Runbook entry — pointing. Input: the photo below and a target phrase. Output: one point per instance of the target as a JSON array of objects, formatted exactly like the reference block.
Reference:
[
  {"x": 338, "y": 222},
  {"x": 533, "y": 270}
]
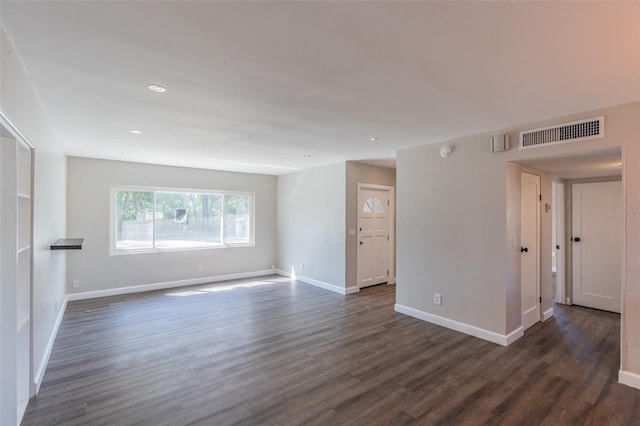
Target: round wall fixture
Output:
[{"x": 445, "y": 151}]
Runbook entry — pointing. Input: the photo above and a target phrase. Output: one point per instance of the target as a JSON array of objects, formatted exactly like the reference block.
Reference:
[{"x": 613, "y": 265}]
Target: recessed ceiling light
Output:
[
  {"x": 373, "y": 139},
  {"x": 124, "y": 152},
  {"x": 306, "y": 156},
  {"x": 157, "y": 88},
  {"x": 135, "y": 131}
]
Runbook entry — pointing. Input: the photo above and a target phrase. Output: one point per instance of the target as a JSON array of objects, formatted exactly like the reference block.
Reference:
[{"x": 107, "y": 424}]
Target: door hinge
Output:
[
  {"x": 388, "y": 202},
  {"x": 540, "y": 197},
  {"x": 387, "y": 238},
  {"x": 540, "y": 299},
  {"x": 387, "y": 272}
]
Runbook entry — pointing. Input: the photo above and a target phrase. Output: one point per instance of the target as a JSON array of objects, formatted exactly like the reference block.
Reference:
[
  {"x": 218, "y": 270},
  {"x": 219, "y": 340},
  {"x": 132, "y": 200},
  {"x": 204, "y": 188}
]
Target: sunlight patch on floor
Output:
[{"x": 214, "y": 288}]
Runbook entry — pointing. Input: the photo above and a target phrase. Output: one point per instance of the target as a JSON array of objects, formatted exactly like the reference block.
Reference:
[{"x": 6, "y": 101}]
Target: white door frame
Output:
[
  {"x": 391, "y": 220},
  {"x": 559, "y": 218}
]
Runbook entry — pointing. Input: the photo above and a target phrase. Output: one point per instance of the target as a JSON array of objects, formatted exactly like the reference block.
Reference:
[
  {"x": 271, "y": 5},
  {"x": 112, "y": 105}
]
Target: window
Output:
[
  {"x": 373, "y": 204},
  {"x": 159, "y": 219}
]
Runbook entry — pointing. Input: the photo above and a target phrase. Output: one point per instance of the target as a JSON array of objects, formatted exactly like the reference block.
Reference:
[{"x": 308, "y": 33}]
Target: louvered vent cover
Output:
[{"x": 568, "y": 132}]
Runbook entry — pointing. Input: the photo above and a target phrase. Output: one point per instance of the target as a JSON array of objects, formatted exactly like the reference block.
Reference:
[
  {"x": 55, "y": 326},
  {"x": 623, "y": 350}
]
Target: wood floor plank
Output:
[{"x": 274, "y": 352}]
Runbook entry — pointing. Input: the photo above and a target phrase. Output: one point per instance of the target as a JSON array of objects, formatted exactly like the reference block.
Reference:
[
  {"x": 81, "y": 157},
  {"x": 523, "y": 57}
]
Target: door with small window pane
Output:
[{"x": 373, "y": 237}]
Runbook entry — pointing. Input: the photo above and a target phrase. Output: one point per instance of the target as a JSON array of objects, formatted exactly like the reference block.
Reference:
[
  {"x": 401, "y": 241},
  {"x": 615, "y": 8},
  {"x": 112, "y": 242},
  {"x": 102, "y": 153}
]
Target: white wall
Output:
[
  {"x": 455, "y": 216},
  {"x": 361, "y": 173},
  {"x": 451, "y": 232},
  {"x": 311, "y": 225},
  {"x": 21, "y": 105},
  {"x": 89, "y": 184},
  {"x": 49, "y": 267}
]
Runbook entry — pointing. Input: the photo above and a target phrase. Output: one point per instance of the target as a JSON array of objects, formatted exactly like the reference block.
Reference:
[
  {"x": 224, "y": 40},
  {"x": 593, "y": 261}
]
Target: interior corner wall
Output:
[
  {"x": 361, "y": 173},
  {"x": 89, "y": 185},
  {"x": 311, "y": 225},
  {"x": 630, "y": 351},
  {"x": 21, "y": 105}
]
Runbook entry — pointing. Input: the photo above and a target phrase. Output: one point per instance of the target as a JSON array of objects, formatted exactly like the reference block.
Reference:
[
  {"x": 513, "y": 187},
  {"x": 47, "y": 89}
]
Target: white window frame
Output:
[{"x": 114, "y": 251}]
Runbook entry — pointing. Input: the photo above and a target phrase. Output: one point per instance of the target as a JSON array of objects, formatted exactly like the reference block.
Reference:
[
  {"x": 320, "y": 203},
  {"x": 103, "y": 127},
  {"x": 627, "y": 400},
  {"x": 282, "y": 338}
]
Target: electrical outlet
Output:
[
  {"x": 437, "y": 299},
  {"x": 199, "y": 267},
  {"x": 57, "y": 306},
  {"x": 302, "y": 266},
  {"x": 76, "y": 283}
]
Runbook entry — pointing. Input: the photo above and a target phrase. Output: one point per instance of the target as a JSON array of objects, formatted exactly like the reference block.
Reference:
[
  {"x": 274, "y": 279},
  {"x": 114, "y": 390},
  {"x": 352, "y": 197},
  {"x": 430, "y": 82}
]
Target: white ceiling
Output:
[
  {"x": 597, "y": 163},
  {"x": 256, "y": 86}
]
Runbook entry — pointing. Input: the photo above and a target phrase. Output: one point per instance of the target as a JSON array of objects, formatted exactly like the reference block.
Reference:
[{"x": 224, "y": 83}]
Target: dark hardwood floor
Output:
[{"x": 288, "y": 353}]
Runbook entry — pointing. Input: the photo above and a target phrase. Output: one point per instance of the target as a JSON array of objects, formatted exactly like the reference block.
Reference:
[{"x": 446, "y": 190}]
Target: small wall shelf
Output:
[{"x": 68, "y": 244}]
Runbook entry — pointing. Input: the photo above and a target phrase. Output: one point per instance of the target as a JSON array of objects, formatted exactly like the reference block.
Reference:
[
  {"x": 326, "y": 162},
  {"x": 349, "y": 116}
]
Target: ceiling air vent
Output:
[{"x": 591, "y": 128}]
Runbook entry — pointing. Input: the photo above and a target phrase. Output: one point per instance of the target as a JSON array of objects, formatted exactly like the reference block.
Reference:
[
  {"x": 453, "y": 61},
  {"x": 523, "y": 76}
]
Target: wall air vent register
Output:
[{"x": 574, "y": 131}]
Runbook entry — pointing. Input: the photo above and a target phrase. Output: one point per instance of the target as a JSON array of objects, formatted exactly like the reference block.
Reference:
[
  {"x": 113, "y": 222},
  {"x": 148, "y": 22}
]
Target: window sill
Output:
[{"x": 120, "y": 252}]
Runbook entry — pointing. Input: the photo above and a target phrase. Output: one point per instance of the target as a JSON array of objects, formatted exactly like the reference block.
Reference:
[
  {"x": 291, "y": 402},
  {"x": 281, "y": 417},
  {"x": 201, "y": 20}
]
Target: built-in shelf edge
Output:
[{"x": 68, "y": 244}]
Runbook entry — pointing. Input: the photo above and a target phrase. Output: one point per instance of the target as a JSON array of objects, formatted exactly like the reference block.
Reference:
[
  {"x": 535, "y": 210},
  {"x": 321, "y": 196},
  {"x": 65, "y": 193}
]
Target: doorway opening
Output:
[
  {"x": 581, "y": 194},
  {"x": 375, "y": 224}
]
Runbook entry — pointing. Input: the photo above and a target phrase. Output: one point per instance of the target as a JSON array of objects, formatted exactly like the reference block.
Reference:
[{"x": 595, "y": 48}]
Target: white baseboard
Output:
[
  {"x": 39, "y": 375},
  {"x": 168, "y": 284},
  {"x": 500, "y": 339},
  {"x": 547, "y": 314},
  {"x": 317, "y": 283},
  {"x": 628, "y": 378},
  {"x": 513, "y": 336}
]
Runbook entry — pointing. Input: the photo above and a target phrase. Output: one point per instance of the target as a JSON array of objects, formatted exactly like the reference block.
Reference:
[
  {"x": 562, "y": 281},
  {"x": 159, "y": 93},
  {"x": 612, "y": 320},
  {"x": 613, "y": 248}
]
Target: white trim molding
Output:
[
  {"x": 4, "y": 121},
  {"x": 513, "y": 336},
  {"x": 168, "y": 284},
  {"x": 317, "y": 283},
  {"x": 547, "y": 314},
  {"x": 500, "y": 339},
  {"x": 39, "y": 374},
  {"x": 628, "y": 378}
]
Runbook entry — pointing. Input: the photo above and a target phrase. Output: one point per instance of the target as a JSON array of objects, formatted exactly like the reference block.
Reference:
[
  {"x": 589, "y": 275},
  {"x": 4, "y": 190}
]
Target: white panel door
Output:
[
  {"x": 373, "y": 237},
  {"x": 530, "y": 249},
  {"x": 597, "y": 244}
]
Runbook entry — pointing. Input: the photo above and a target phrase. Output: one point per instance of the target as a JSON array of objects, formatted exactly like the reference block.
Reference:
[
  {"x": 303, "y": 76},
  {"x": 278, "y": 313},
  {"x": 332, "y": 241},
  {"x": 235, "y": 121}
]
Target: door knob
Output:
[
  {"x": 576, "y": 239},
  {"x": 524, "y": 250},
  {"x": 361, "y": 243},
  {"x": 557, "y": 247}
]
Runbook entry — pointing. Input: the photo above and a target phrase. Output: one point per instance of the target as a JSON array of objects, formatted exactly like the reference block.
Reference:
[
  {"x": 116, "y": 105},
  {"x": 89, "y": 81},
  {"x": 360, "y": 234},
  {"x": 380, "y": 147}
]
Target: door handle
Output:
[
  {"x": 524, "y": 250},
  {"x": 361, "y": 243},
  {"x": 576, "y": 239}
]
